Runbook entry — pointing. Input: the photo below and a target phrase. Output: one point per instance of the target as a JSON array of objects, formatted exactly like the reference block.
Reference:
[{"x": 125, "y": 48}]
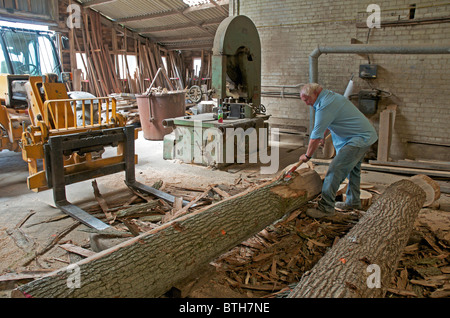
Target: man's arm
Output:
[
  {"x": 320, "y": 131},
  {"x": 325, "y": 135},
  {"x": 312, "y": 147}
]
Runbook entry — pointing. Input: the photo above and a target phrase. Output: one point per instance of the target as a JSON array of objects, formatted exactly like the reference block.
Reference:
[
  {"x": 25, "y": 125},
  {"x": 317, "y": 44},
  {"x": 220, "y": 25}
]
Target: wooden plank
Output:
[
  {"x": 101, "y": 201},
  {"x": 111, "y": 71},
  {"x": 409, "y": 171},
  {"x": 412, "y": 164},
  {"x": 185, "y": 209},
  {"x": 386, "y": 126},
  {"x": 16, "y": 277},
  {"x": 77, "y": 250},
  {"x": 76, "y": 82},
  {"x": 73, "y": 60},
  {"x": 429, "y": 164},
  {"x": 88, "y": 73},
  {"x": 389, "y": 169},
  {"x": 167, "y": 78},
  {"x": 90, "y": 67},
  {"x": 152, "y": 59}
]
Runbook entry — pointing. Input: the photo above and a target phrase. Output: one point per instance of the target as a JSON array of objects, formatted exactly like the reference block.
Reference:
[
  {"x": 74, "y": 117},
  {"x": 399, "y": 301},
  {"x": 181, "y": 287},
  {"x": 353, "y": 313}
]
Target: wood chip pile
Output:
[
  {"x": 424, "y": 269},
  {"x": 272, "y": 261}
]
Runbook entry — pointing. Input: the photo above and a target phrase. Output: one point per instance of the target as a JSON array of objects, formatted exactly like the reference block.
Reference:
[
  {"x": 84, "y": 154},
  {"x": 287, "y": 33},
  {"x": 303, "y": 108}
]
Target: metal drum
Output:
[{"x": 154, "y": 108}]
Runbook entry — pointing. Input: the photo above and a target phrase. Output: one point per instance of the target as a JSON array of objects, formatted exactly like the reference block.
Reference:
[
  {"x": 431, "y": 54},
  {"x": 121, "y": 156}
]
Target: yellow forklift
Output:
[{"x": 61, "y": 138}]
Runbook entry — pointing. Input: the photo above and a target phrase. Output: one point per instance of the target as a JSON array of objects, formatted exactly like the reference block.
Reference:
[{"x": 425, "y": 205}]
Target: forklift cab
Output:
[{"x": 28, "y": 52}]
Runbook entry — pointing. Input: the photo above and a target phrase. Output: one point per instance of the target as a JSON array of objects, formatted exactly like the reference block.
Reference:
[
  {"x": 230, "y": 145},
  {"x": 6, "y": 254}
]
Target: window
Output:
[
  {"x": 47, "y": 61},
  {"x": 412, "y": 11},
  {"x": 131, "y": 63},
  {"x": 164, "y": 59},
  {"x": 80, "y": 65},
  {"x": 197, "y": 66},
  {"x": 3, "y": 63}
]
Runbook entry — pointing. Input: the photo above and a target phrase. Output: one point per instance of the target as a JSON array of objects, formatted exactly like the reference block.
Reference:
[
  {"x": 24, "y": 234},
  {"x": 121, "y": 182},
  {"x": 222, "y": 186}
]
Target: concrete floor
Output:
[{"x": 16, "y": 201}]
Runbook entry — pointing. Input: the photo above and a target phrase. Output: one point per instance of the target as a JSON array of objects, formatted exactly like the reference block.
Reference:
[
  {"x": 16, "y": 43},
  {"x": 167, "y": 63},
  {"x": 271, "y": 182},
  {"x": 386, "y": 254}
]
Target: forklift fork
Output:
[{"x": 61, "y": 145}]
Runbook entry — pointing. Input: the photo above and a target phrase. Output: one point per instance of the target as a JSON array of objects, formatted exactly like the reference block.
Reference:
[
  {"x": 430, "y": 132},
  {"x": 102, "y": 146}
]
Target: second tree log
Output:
[{"x": 362, "y": 263}]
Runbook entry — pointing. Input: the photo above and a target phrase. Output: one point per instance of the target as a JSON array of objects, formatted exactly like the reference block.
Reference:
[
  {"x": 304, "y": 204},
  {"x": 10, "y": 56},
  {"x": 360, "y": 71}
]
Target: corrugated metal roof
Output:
[
  {"x": 157, "y": 22},
  {"x": 120, "y": 9},
  {"x": 166, "y": 21},
  {"x": 166, "y": 35}
]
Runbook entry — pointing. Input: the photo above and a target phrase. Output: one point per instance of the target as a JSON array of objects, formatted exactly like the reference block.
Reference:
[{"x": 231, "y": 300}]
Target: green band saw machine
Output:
[{"x": 236, "y": 86}]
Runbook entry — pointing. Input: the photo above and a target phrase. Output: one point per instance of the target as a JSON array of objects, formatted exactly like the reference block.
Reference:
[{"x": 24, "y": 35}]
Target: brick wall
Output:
[{"x": 418, "y": 84}]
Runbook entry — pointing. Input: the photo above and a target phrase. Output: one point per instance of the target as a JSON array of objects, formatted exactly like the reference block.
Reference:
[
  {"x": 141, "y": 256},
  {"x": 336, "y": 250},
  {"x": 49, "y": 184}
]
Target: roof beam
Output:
[
  {"x": 180, "y": 26},
  {"x": 225, "y": 12},
  {"x": 95, "y": 3},
  {"x": 165, "y": 28},
  {"x": 190, "y": 47},
  {"x": 184, "y": 39},
  {"x": 196, "y": 24},
  {"x": 148, "y": 16}
]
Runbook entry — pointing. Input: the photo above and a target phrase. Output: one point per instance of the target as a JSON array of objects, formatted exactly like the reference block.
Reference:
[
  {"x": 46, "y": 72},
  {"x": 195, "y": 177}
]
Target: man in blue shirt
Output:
[{"x": 352, "y": 135}]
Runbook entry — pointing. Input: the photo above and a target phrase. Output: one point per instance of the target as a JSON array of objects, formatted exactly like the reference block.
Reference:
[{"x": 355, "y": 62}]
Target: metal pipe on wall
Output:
[{"x": 364, "y": 49}]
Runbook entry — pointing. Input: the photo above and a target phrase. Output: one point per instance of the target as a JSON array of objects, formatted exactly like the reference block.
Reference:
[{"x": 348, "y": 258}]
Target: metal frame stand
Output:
[{"x": 58, "y": 146}]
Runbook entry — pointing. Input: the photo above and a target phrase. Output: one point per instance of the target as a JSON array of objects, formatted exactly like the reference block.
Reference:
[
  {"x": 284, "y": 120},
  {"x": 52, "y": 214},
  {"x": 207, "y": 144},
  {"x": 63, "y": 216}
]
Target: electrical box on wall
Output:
[
  {"x": 368, "y": 71},
  {"x": 368, "y": 101}
]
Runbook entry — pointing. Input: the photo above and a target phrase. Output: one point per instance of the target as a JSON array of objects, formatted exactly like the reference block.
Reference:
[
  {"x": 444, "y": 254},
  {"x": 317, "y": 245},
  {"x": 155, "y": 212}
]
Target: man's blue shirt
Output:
[{"x": 346, "y": 123}]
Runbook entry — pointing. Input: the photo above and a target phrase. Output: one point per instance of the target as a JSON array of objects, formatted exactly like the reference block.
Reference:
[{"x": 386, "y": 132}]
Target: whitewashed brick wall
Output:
[{"x": 420, "y": 84}]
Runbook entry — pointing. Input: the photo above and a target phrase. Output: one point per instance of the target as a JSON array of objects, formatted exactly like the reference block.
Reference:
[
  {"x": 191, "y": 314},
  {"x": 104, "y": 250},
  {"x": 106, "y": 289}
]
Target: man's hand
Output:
[{"x": 304, "y": 158}]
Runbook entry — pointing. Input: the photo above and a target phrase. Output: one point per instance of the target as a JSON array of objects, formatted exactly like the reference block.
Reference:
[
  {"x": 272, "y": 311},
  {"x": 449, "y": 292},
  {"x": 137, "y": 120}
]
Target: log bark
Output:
[
  {"x": 362, "y": 263},
  {"x": 150, "y": 264}
]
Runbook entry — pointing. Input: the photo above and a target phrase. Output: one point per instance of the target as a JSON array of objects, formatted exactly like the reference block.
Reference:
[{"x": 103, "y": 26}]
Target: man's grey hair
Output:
[{"x": 310, "y": 89}]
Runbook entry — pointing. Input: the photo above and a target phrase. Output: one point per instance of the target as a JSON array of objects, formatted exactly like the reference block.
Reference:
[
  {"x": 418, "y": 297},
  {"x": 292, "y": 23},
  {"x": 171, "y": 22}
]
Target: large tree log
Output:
[
  {"x": 150, "y": 264},
  {"x": 362, "y": 263}
]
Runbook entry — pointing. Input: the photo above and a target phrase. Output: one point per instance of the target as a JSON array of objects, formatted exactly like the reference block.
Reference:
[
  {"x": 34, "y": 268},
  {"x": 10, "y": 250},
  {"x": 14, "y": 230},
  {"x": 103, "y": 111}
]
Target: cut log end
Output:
[
  {"x": 429, "y": 186},
  {"x": 365, "y": 197},
  {"x": 304, "y": 182}
]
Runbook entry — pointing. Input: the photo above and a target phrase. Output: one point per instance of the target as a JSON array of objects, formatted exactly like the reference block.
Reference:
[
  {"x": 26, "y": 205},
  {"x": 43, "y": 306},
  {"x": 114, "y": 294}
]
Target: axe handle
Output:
[{"x": 295, "y": 167}]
